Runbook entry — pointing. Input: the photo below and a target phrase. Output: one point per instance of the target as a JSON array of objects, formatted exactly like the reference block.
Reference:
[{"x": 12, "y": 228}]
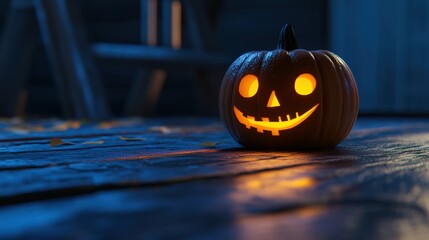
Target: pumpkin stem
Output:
[{"x": 287, "y": 39}]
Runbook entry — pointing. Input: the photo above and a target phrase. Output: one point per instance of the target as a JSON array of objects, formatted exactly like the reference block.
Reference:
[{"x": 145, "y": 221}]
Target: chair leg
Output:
[
  {"x": 80, "y": 87},
  {"x": 145, "y": 92},
  {"x": 16, "y": 52}
]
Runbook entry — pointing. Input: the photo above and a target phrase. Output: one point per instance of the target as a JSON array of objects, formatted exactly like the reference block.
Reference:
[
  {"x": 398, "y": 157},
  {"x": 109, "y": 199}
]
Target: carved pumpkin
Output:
[{"x": 289, "y": 98}]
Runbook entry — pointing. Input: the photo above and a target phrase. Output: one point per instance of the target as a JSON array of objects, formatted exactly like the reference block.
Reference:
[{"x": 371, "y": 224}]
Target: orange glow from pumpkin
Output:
[
  {"x": 287, "y": 183},
  {"x": 248, "y": 86},
  {"x": 305, "y": 84},
  {"x": 273, "y": 126}
]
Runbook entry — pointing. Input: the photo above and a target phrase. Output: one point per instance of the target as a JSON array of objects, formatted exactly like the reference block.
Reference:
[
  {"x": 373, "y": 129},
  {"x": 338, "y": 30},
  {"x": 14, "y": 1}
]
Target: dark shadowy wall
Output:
[
  {"x": 248, "y": 25},
  {"x": 386, "y": 43}
]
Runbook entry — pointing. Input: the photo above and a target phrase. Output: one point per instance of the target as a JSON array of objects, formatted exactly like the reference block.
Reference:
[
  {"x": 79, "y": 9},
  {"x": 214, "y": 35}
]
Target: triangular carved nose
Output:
[{"x": 273, "y": 101}]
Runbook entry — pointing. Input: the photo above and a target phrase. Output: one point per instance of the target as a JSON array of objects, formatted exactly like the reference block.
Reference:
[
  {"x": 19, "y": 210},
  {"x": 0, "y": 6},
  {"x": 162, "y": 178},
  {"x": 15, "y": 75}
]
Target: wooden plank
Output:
[
  {"x": 179, "y": 151},
  {"x": 187, "y": 211},
  {"x": 17, "y": 130},
  {"x": 78, "y": 82},
  {"x": 375, "y": 185}
]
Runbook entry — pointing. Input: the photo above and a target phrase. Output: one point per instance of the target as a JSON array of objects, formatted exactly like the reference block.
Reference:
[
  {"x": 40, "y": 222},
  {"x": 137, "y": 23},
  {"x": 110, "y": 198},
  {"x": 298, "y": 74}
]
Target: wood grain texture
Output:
[{"x": 171, "y": 185}]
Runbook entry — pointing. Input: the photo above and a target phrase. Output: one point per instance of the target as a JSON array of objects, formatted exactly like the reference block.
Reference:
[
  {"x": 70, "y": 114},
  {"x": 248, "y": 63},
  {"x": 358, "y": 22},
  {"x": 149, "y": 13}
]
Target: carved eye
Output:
[
  {"x": 248, "y": 86},
  {"x": 305, "y": 84}
]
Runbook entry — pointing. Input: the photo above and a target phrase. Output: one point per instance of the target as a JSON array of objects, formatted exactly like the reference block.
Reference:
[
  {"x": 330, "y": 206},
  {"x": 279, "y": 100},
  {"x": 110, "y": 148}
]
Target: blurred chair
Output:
[
  {"x": 161, "y": 51},
  {"x": 71, "y": 56},
  {"x": 79, "y": 85}
]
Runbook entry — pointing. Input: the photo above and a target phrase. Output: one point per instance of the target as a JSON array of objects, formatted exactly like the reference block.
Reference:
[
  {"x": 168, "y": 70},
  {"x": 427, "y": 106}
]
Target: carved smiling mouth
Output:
[{"x": 272, "y": 126}]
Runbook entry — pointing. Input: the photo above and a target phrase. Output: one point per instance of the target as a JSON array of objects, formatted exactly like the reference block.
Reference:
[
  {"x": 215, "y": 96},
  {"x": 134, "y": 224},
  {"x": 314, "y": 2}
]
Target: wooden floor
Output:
[{"x": 188, "y": 179}]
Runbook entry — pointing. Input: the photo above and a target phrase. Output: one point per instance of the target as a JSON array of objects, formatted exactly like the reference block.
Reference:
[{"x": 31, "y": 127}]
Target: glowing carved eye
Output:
[
  {"x": 305, "y": 84},
  {"x": 248, "y": 86}
]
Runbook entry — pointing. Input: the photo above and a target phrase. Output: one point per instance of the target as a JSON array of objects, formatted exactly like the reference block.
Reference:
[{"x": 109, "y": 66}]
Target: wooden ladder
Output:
[
  {"x": 79, "y": 85},
  {"x": 160, "y": 50},
  {"x": 72, "y": 57}
]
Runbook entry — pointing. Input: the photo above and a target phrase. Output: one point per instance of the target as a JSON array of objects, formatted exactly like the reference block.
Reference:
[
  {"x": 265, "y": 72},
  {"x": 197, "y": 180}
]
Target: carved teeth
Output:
[
  {"x": 264, "y": 119},
  {"x": 264, "y": 124}
]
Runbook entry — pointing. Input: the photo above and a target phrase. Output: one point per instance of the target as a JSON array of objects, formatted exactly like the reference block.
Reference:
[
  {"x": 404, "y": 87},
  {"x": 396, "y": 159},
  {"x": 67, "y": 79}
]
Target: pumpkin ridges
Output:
[
  {"x": 328, "y": 115},
  {"x": 315, "y": 128},
  {"x": 352, "y": 97},
  {"x": 343, "y": 117},
  {"x": 354, "y": 93},
  {"x": 344, "y": 121},
  {"x": 352, "y": 83},
  {"x": 352, "y": 90},
  {"x": 331, "y": 115}
]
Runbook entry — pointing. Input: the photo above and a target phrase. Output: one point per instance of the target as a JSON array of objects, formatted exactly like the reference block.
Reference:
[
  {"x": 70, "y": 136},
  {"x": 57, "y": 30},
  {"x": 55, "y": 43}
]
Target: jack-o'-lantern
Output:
[{"x": 289, "y": 98}]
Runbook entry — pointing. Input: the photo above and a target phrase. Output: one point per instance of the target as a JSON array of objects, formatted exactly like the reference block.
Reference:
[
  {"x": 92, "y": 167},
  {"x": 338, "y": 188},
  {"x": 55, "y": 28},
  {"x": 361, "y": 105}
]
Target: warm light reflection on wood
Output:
[
  {"x": 287, "y": 183},
  {"x": 310, "y": 212},
  {"x": 304, "y": 182},
  {"x": 256, "y": 184}
]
